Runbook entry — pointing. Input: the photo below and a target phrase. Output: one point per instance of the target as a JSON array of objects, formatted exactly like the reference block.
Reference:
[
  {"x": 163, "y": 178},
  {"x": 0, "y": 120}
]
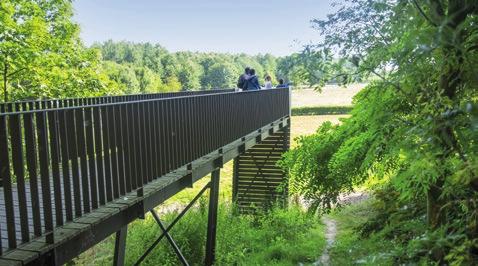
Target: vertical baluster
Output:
[
  {"x": 187, "y": 121},
  {"x": 113, "y": 147},
  {"x": 90, "y": 150},
  {"x": 55, "y": 160},
  {"x": 154, "y": 138},
  {"x": 198, "y": 126},
  {"x": 162, "y": 146},
  {"x": 181, "y": 130},
  {"x": 80, "y": 139},
  {"x": 138, "y": 141},
  {"x": 106, "y": 152},
  {"x": 143, "y": 143},
  {"x": 124, "y": 108},
  {"x": 168, "y": 133},
  {"x": 31, "y": 156},
  {"x": 190, "y": 128},
  {"x": 99, "y": 154},
  {"x": 132, "y": 137},
  {"x": 119, "y": 121},
  {"x": 177, "y": 133},
  {"x": 45, "y": 175},
  {"x": 65, "y": 165},
  {"x": 18, "y": 168},
  {"x": 73, "y": 149},
  {"x": 149, "y": 152},
  {"x": 6, "y": 178}
]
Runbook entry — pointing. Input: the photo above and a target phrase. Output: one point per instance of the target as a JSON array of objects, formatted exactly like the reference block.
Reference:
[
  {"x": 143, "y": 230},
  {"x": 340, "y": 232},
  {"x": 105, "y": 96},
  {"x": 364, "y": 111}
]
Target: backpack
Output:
[{"x": 241, "y": 83}]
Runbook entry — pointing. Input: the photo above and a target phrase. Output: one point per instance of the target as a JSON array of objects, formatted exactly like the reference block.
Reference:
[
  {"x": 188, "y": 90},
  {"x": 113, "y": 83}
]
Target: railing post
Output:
[
  {"x": 235, "y": 176},
  {"x": 212, "y": 218},
  {"x": 120, "y": 246}
]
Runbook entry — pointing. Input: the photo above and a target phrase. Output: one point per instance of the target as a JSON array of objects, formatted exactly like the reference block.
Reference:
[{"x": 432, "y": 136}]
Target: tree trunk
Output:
[
  {"x": 448, "y": 84},
  {"x": 5, "y": 81}
]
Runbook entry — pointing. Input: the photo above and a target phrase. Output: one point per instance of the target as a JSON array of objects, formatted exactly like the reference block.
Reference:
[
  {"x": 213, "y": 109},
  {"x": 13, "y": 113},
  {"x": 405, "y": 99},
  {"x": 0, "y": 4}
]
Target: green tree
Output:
[
  {"x": 149, "y": 82},
  {"x": 41, "y": 54},
  {"x": 124, "y": 76},
  {"x": 190, "y": 71},
  {"x": 221, "y": 75},
  {"x": 414, "y": 126}
]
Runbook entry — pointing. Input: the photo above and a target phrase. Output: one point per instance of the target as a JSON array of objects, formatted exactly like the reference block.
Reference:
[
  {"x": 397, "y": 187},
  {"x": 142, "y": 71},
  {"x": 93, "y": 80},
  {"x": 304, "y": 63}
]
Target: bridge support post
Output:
[
  {"x": 258, "y": 183},
  {"x": 212, "y": 218},
  {"x": 120, "y": 246}
]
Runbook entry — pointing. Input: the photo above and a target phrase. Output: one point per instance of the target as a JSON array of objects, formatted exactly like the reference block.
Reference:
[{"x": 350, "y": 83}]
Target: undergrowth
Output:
[{"x": 279, "y": 237}]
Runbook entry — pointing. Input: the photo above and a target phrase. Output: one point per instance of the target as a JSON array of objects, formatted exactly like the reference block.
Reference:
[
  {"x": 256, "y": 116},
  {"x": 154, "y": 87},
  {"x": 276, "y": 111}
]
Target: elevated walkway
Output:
[{"x": 74, "y": 174}]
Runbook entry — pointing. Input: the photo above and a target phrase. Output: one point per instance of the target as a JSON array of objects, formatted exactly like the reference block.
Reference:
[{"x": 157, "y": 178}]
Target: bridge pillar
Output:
[
  {"x": 120, "y": 246},
  {"x": 212, "y": 218},
  {"x": 257, "y": 182}
]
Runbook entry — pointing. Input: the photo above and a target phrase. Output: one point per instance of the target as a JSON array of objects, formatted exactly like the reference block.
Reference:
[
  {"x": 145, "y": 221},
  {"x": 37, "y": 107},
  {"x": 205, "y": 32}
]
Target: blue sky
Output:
[{"x": 279, "y": 27}]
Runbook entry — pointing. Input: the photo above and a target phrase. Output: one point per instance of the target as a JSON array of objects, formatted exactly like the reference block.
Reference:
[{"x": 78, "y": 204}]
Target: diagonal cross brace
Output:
[
  {"x": 172, "y": 224},
  {"x": 170, "y": 239}
]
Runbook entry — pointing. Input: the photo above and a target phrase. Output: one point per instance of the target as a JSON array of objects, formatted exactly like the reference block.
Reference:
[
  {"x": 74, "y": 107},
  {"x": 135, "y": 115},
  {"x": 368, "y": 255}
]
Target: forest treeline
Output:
[
  {"x": 42, "y": 56},
  {"x": 150, "y": 67}
]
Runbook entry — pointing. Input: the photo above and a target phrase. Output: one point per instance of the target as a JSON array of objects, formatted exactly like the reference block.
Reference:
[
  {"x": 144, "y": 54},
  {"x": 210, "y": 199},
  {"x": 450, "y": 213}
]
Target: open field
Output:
[
  {"x": 331, "y": 95},
  {"x": 308, "y": 124}
]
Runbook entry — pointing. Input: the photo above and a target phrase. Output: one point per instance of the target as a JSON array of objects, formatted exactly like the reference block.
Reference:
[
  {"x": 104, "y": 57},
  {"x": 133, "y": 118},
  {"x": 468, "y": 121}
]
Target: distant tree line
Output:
[
  {"x": 42, "y": 56},
  {"x": 145, "y": 67}
]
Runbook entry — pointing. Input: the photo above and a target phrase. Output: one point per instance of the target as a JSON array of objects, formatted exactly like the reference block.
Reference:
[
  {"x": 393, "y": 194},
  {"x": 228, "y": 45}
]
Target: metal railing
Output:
[
  {"x": 58, "y": 164},
  {"x": 28, "y": 105}
]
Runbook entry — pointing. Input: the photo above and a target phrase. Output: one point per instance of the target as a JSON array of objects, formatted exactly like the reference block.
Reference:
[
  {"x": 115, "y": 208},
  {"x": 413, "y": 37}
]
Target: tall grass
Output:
[{"x": 279, "y": 237}]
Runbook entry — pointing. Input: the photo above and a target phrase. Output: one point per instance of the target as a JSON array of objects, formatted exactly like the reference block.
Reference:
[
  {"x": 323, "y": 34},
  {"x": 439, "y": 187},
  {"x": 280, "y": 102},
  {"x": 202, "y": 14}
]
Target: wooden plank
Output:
[{"x": 19, "y": 255}]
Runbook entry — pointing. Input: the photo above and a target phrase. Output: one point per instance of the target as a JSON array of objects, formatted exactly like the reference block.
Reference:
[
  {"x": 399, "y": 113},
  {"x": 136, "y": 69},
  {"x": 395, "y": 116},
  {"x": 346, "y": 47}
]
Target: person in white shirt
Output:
[{"x": 268, "y": 83}]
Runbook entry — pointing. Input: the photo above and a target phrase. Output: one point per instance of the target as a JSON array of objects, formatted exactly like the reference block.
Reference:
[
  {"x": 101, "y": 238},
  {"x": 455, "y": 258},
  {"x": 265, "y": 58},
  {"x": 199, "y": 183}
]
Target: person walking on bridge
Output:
[
  {"x": 242, "y": 78},
  {"x": 268, "y": 83},
  {"x": 252, "y": 82}
]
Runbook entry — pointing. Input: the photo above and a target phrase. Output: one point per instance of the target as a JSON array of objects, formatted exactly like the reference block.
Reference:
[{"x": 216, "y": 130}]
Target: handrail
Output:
[
  {"x": 76, "y": 159},
  {"x": 40, "y": 104}
]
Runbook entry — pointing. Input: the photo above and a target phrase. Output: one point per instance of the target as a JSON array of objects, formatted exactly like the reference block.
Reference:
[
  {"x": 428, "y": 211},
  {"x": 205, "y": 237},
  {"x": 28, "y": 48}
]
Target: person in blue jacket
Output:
[
  {"x": 252, "y": 82},
  {"x": 281, "y": 84}
]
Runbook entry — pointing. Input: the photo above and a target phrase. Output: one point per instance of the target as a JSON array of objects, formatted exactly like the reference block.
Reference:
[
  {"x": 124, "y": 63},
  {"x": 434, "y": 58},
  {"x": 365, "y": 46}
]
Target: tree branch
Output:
[
  {"x": 15, "y": 72},
  {"x": 423, "y": 13}
]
